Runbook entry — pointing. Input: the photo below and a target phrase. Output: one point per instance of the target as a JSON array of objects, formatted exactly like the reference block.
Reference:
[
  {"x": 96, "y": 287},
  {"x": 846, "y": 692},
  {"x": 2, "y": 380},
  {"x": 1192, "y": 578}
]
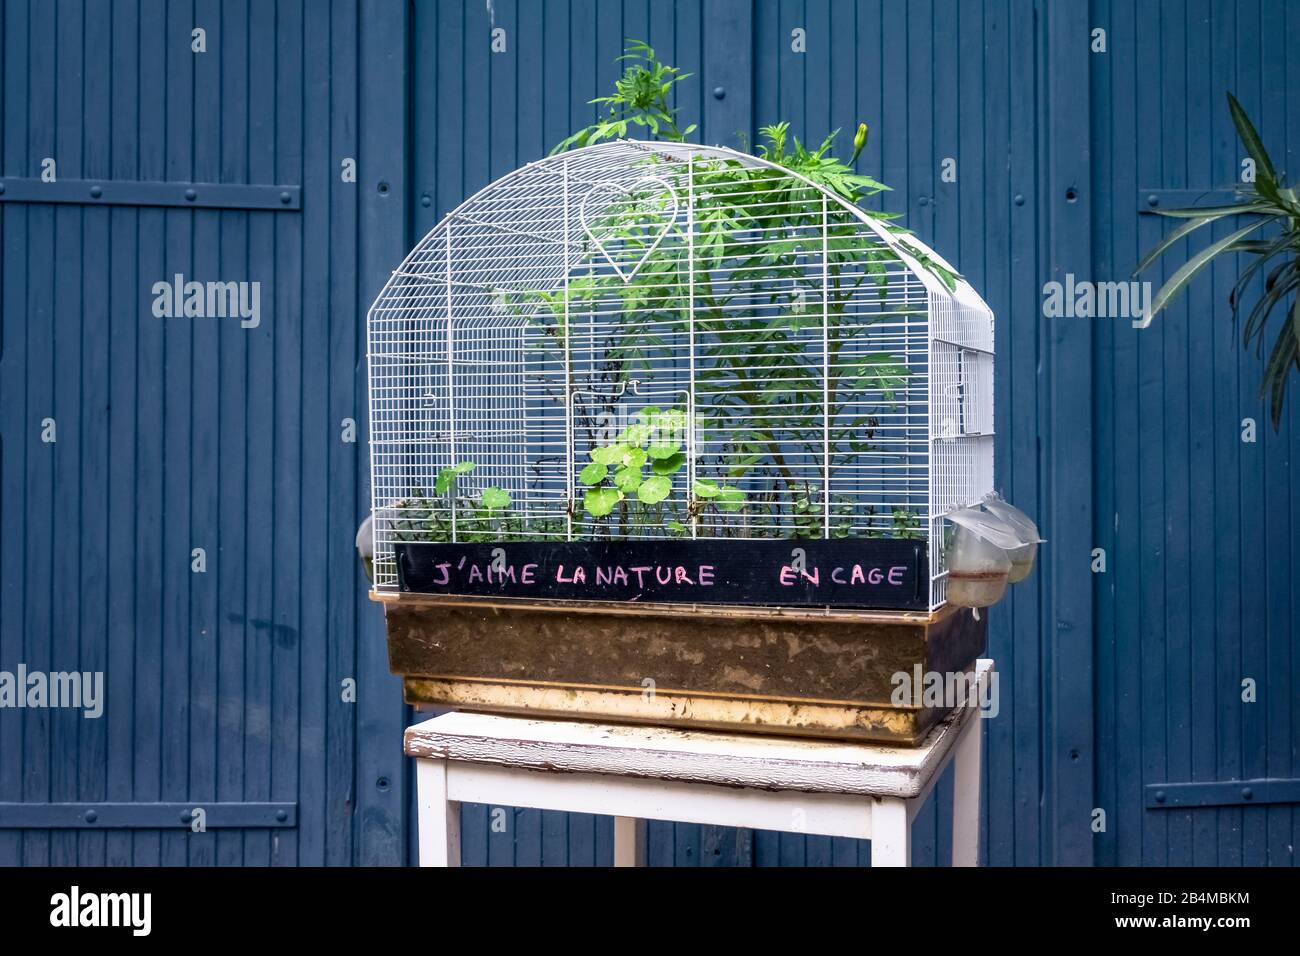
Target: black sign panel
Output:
[{"x": 862, "y": 573}]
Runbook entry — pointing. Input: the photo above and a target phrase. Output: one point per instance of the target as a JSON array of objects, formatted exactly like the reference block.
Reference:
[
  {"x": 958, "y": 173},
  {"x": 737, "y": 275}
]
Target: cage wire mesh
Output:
[{"x": 646, "y": 340}]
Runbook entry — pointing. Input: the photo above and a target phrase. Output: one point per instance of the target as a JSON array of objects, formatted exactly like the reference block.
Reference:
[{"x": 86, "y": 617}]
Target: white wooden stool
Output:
[{"x": 635, "y": 773}]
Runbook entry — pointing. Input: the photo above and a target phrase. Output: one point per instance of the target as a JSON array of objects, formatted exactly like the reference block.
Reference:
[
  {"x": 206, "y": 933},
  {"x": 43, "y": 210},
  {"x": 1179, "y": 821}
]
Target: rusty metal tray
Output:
[{"x": 800, "y": 672}]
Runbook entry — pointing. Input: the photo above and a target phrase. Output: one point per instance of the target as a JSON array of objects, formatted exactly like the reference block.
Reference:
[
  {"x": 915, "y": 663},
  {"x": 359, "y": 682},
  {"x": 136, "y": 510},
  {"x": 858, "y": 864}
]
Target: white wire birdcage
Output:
[{"x": 699, "y": 332}]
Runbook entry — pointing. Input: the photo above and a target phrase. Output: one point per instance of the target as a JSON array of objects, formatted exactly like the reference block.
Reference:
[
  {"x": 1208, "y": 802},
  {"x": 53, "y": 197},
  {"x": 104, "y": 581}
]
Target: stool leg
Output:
[
  {"x": 966, "y": 794},
  {"x": 891, "y": 833},
  {"x": 438, "y": 817},
  {"x": 629, "y": 841}
]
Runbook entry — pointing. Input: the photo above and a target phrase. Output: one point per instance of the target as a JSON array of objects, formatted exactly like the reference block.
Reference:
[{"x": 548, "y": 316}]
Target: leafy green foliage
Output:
[
  {"x": 768, "y": 392},
  {"x": 601, "y": 501},
  {"x": 640, "y": 99},
  {"x": 446, "y": 479},
  {"x": 1277, "y": 207},
  {"x": 494, "y": 499},
  {"x": 653, "y": 438},
  {"x": 447, "y": 516},
  {"x": 762, "y": 394}
]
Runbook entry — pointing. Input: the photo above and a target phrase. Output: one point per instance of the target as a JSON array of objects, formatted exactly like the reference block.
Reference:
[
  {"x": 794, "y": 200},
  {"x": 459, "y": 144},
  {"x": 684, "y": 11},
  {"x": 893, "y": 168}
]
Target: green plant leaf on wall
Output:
[
  {"x": 1254, "y": 145},
  {"x": 1194, "y": 265},
  {"x": 1275, "y": 204},
  {"x": 1203, "y": 217}
]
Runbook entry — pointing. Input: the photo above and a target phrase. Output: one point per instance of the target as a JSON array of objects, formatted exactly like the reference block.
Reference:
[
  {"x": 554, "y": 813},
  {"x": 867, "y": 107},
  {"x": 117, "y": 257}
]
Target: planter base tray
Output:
[{"x": 799, "y": 672}]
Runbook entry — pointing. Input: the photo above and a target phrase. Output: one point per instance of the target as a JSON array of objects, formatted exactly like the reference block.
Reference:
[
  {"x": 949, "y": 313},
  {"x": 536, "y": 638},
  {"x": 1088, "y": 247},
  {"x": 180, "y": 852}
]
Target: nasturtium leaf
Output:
[
  {"x": 593, "y": 474},
  {"x": 494, "y": 499},
  {"x": 668, "y": 466},
  {"x": 627, "y": 480},
  {"x": 731, "y": 499},
  {"x": 601, "y": 501},
  {"x": 635, "y": 434},
  {"x": 663, "y": 448},
  {"x": 634, "y": 458},
  {"x": 446, "y": 479},
  {"x": 654, "y": 490},
  {"x": 706, "y": 489},
  {"x": 608, "y": 454},
  {"x": 677, "y": 527}
]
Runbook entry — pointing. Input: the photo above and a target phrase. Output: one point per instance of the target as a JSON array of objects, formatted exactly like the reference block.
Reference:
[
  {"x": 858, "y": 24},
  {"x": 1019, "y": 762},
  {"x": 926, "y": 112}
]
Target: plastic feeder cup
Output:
[{"x": 1022, "y": 558}]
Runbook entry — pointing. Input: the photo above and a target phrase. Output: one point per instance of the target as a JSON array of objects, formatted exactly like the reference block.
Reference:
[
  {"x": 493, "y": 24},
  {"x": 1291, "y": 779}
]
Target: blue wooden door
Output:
[
  {"x": 179, "y": 493},
  {"x": 1198, "y": 629}
]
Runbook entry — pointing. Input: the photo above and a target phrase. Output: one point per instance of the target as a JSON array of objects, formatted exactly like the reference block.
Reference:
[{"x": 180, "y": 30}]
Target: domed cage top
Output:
[{"x": 650, "y": 342}]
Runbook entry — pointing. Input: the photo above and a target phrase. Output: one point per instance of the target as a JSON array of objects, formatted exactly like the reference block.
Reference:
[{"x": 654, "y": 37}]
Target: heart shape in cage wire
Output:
[{"x": 631, "y": 192}]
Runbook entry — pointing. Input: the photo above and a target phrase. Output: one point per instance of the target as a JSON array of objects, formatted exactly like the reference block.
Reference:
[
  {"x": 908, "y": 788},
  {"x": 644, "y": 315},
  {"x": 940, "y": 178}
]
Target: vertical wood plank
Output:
[
  {"x": 346, "y": 464},
  {"x": 1205, "y": 435},
  {"x": 69, "y": 150},
  {"x": 205, "y": 377},
  {"x": 1110, "y": 142},
  {"x": 321, "y": 435},
  {"x": 126, "y": 307},
  {"x": 287, "y": 322},
  {"x": 148, "y": 565},
  {"x": 1228, "y": 488},
  {"x": 728, "y": 30},
  {"x": 233, "y": 438},
  {"x": 1020, "y": 414},
  {"x": 381, "y": 767},
  {"x": 19, "y": 425},
  {"x": 1276, "y": 747},
  {"x": 92, "y": 654},
  {"x": 1067, "y": 194},
  {"x": 258, "y": 613}
]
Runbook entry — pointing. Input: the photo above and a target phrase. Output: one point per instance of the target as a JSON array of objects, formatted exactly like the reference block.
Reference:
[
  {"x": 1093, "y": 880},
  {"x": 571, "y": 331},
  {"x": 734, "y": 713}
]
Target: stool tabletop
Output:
[{"x": 733, "y": 760}]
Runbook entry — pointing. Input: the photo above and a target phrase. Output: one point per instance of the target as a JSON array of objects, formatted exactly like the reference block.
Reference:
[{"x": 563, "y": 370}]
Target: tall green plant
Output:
[
  {"x": 641, "y": 98},
  {"x": 1274, "y": 207},
  {"x": 770, "y": 397}
]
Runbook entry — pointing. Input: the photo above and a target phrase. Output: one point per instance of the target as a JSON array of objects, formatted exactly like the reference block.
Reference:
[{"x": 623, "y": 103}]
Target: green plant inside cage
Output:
[{"x": 776, "y": 399}]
